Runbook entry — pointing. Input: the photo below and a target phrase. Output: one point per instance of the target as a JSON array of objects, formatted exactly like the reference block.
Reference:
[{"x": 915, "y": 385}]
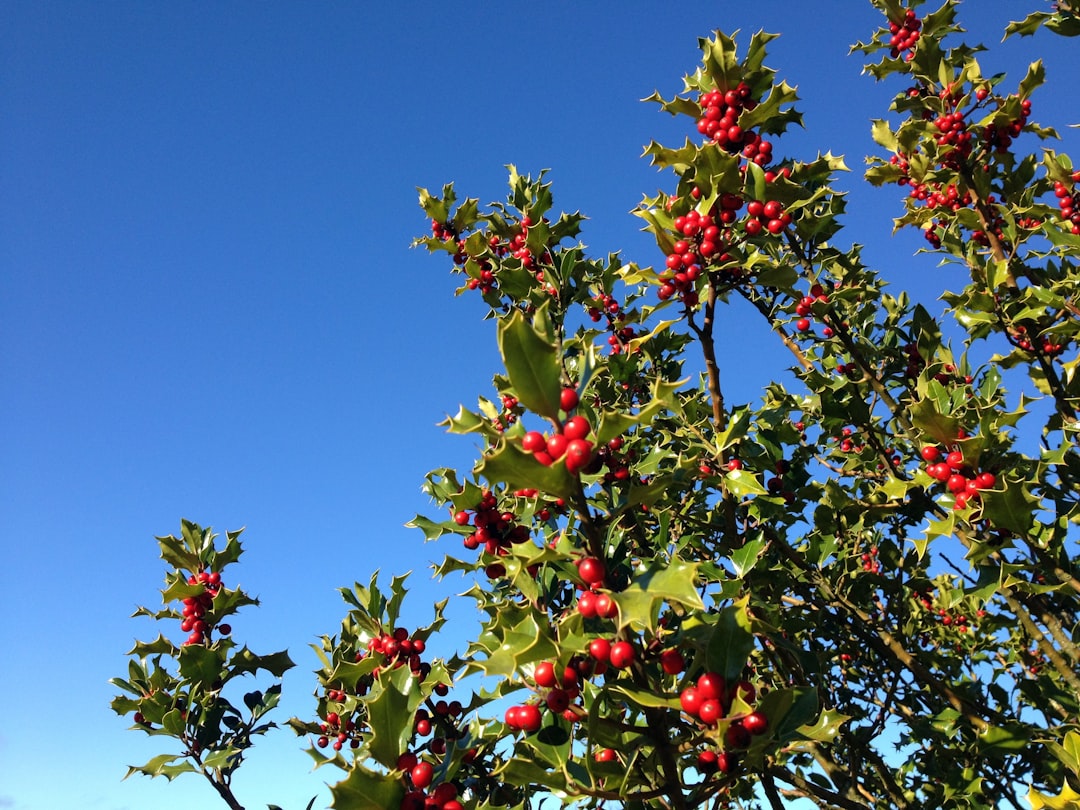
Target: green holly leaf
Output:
[
  {"x": 509, "y": 464},
  {"x": 790, "y": 710},
  {"x": 397, "y": 698},
  {"x": 1011, "y": 507},
  {"x": 163, "y": 765},
  {"x": 659, "y": 582},
  {"x": 926, "y": 416},
  {"x": 159, "y": 646},
  {"x": 741, "y": 483},
  {"x": 745, "y": 558},
  {"x": 244, "y": 662},
  {"x": 730, "y": 641},
  {"x": 364, "y": 789},
  {"x": 826, "y": 728},
  {"x": 201, "y": 664},
  {"x": 512, "y": 648},
  {"x": 1068, "y": 799},
  {"x": 532, "y": 365}
]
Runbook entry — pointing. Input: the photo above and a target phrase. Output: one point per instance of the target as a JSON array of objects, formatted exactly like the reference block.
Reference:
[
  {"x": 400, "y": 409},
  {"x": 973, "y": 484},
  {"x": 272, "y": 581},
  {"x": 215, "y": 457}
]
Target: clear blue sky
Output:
[{"x": 208, "y": 306}]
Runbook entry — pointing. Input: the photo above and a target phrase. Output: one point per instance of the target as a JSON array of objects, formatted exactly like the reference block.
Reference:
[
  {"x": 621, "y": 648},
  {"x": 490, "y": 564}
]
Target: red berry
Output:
[
  {"x": 711, "y": 686},
  {"x": 600, "y": 649},
  {"x": 592, "y": 570},
  {"x": 422, "y": 774},
  {"x": 711, "y": 710},
  {"x": 579, "y": 453},
  {"x": 691, "y": 701},
  {"x": 529, "y": 718},
  {"x": 756, "y": 723},
  {"x": 556, "y": 446},
  {"x": 587, "y": 604},
  {"x": 672, "y": 661},
  {"x": 576, "y": 427},
  {"x": 568, "y": 399},
  {"x": 737, "y": 736},
  {"x": 622, "y": 654},
  {"x": 605, "y": 606},
  {"x": 544, "y": 676},
  {"x": 558, "y": 700},
  {"x": 531, "y": 442}
]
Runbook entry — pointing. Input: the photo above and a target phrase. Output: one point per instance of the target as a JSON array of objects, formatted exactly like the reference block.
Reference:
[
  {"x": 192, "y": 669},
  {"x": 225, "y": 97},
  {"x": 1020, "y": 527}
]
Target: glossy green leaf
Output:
[
  {"x": 397, "y": 696},
  {"x": 653, "y": 585},
  {"x": 730, "y": 641},
  {"x": 532, "y": 365},
  {"x": 364, "y": 789}
]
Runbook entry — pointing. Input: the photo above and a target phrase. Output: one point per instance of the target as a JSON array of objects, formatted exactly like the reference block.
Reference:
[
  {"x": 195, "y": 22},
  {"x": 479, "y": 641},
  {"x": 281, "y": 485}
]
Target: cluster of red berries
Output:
[
  {"x": 1000, "y": 137},
  {"x": 1069, "y": 202},
  {"x": 1046, "y": 345},
  {"x": 342, "y": 730},
  {"x": 607, "y": 306},
  {"x": 960, "y": 479},
  {"x": 870, "y": 562},
  {"x": 526, "y": 717},
  {"x": 420, "y": 775},
  {"x": 594, "y": 603},
  {"x": 509, "y": 415},
  {"x": 710, "y": 761},
  {"x": 617, "y": 464},
  {"x": 443, "y": 231},
  {"x": 196, "y": 607},
  {"x": 720, "y": 111},
  {"x": 935, "y": 196},
  {"x": 569, "y": 443},
  {"x": 617, "y": 654},
  {"x": 442, "y": 712},
  {"x": 847, "y": 443},
  {"x": 494, "y": 529},
  {"x": 958, "y": 621},
  {"x": 905, "y": 35},
  {"x": 398, "y": 649},
  {"x": 765, "y": 216},
  {"x": 709, "y": 701},
  {"x": 805, "y": 308},
  {"x": 447, "y": 232},
  {"x": 777, "y": 484}
]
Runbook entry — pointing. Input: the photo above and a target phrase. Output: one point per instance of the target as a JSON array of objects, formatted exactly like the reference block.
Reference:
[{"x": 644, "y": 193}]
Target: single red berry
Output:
[
  {"x": 556, "y": 446},
  {"x": 711, "y": 686},
  {"x": 672, "y": 661},
  {"x": 756, "y": 723},
  {"x": 576, "y": 427},
  {"x": 606, "y": 607},
  {"x": 531, "y": 442},
  {"x": 568, "y": 399},
  {"x": 690, "y": 700},
  {"x": 592, "y": 571},
  {"x": 529, "y": 718},
  {"x": 579, "y": 453},
  {"x": 558, "y": 700},
  {"x": 600, "y": 649},
  {"x": 422, "y": 774},
  {"x": 622, "y": 654},
  {"x": 710, "y": 711},
  {"x": 737, "y": 736},
  {"x": 544, "y": 676}
]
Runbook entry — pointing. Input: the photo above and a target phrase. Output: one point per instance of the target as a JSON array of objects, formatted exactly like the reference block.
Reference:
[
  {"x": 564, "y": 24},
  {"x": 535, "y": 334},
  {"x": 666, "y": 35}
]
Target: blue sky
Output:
[{"x": 209, "y": 309}]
